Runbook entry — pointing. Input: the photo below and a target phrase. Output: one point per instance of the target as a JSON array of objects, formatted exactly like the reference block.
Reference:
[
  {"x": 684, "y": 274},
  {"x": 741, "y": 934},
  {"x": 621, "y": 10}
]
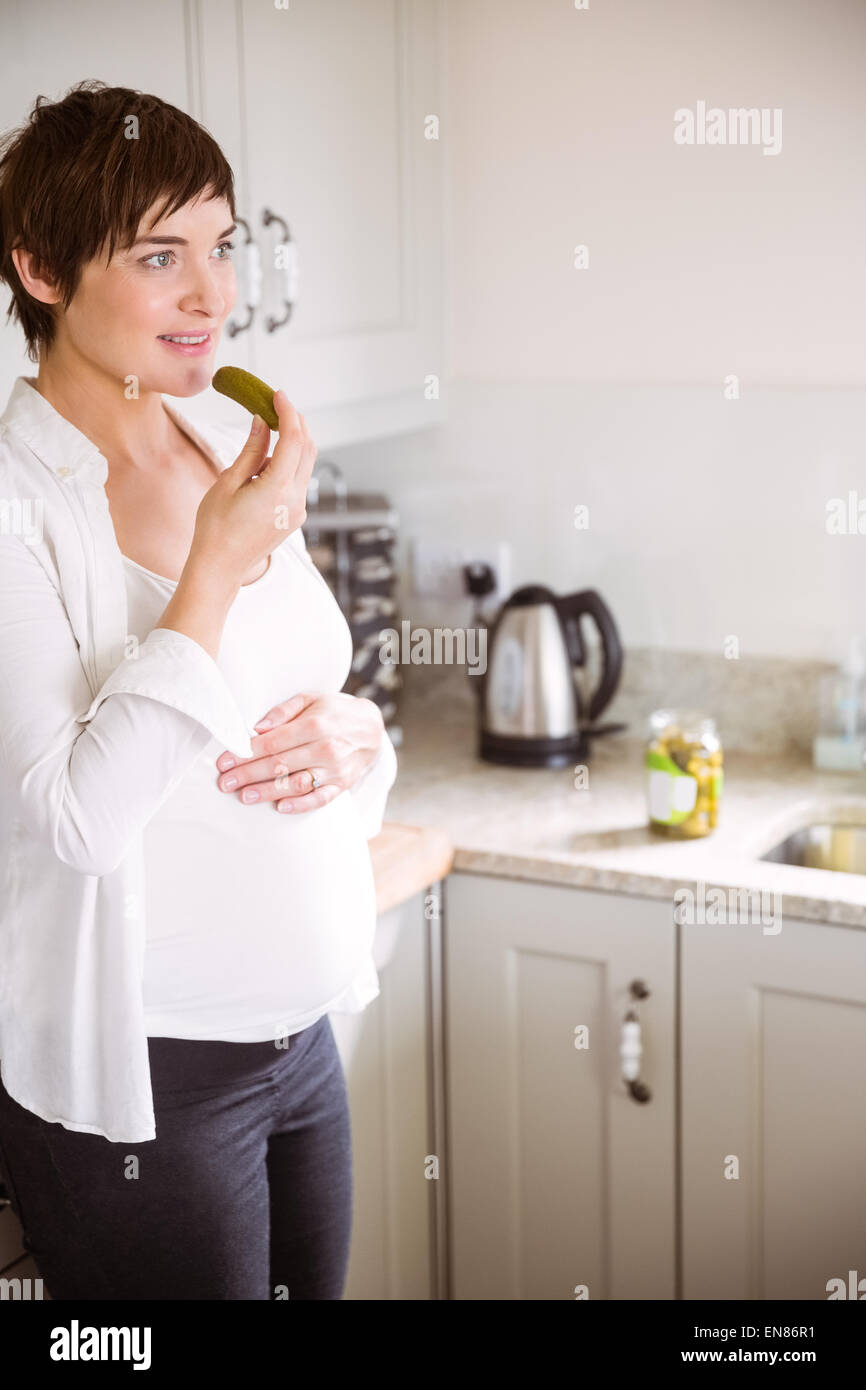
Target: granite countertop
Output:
[{"x": 534, "y": 824}]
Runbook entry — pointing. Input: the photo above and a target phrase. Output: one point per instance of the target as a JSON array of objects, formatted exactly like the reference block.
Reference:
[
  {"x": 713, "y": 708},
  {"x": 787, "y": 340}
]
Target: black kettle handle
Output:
[{"x": 570, "y": 607}]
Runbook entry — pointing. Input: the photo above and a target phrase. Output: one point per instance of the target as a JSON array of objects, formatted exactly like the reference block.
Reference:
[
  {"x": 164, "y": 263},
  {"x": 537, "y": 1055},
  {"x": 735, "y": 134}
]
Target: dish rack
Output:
[{"x": 350, "y": 538}]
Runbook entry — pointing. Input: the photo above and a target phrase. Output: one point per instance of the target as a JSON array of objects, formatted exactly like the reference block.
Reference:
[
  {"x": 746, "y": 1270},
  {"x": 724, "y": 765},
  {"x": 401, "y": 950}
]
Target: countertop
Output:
[{"x": 535, "y": 824}]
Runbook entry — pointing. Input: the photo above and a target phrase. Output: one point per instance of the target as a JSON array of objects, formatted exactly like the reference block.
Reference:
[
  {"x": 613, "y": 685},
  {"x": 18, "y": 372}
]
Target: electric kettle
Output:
[{"x": 530, "y": 706}]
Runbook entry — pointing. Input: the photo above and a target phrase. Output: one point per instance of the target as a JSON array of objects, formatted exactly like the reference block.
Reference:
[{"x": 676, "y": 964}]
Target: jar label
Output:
[{"x": 672, "y": 793}]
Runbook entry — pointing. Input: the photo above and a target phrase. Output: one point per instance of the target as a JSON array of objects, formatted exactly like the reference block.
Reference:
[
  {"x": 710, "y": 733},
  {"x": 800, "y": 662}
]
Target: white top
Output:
[
  {"x": 251, "y": 935},
  {"x": 96, "y": 735}
]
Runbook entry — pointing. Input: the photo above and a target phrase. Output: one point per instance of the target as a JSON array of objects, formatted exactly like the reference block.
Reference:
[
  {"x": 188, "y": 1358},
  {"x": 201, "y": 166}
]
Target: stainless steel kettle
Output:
[{"x": 531, "y": 712}]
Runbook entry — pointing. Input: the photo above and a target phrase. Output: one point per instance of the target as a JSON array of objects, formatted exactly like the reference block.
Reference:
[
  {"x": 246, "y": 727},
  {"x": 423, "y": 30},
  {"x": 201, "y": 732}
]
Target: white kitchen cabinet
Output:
[
  {"x": 322, "y": 109},
  {"x": 338, "y": 96},
  {"x": 558, "y": 1178},
  {"x": 386, "y": 1055},
  {"x": 774, "y": 1059}
]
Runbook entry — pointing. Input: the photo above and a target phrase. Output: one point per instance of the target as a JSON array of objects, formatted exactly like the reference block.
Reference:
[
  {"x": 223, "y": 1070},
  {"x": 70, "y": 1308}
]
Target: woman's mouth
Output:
[{"x": 188, "y": 344}]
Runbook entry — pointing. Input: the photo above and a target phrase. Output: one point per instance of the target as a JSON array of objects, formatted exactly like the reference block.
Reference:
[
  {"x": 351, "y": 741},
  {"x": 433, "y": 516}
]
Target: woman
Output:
[{"x": 186, "y": 794}]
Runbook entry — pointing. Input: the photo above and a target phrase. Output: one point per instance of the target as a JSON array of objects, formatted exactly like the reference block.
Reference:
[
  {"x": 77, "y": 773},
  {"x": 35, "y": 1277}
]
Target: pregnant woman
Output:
[{"x": 186, "y": 795}]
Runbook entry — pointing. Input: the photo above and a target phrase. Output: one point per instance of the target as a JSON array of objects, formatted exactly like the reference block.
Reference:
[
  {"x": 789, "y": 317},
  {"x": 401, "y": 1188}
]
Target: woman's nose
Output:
[{"x": 205, "y": 295}]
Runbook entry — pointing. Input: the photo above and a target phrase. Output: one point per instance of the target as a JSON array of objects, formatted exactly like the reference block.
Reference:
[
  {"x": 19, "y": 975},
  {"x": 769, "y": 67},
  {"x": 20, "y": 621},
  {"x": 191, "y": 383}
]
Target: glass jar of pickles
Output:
[{"x": 684, "y": 773}]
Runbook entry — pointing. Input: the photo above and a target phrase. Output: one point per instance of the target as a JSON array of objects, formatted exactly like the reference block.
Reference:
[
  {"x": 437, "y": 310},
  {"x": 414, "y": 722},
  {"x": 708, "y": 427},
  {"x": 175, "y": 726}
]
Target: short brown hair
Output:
[{"x": 71, "y": 181}]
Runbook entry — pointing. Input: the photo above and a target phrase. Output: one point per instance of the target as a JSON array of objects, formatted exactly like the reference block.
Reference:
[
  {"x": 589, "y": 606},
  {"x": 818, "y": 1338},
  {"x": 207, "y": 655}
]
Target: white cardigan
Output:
[{"x": 73, "y": 1046}]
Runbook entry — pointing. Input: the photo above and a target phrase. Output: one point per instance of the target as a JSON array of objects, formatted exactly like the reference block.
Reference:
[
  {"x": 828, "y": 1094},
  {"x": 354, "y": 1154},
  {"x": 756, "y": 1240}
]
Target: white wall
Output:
[
  {"x": 704, "y": 260},
  {"x": 605, "y": 386},
  {"x": 707, "y": 517}
]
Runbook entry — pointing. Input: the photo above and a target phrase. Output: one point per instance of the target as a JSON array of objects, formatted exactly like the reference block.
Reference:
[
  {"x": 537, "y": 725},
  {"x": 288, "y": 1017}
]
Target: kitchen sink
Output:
[{"x": 824, "y": 846}]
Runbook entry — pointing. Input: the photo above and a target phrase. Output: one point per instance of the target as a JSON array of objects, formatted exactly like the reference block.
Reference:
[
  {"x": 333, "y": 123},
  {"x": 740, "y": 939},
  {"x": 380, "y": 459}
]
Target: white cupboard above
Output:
[
  {"x": 341, "y": 189},
  {"x": 325, "y": 111}
]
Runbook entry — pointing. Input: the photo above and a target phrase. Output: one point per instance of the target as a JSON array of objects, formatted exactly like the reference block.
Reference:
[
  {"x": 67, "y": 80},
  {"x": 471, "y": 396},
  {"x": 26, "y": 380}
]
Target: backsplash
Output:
[
  {"x": 761, "y": 704},
  {"x": 765, "y": 705}
]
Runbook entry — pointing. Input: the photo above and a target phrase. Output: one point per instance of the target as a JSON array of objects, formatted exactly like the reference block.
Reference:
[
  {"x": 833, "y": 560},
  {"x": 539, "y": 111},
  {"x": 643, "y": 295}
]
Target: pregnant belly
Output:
[{"x": 253, "y": 915}]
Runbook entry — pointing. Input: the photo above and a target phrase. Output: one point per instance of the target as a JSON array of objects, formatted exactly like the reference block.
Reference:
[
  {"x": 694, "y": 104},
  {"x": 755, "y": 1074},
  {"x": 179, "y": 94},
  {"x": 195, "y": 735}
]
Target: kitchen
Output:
[{"x": 587, "y": 385}]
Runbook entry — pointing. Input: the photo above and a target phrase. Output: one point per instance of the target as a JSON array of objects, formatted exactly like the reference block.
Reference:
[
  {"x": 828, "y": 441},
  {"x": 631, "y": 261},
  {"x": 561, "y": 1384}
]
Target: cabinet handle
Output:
[
  {"x": 254, "y": 280},
  {"x": 289, "y": 270},
  {"x": 631, "y": 1048}
]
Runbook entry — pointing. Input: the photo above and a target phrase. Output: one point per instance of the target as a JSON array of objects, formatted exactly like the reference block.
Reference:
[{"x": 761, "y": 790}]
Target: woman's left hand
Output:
[{"x": 330, "y": 738}]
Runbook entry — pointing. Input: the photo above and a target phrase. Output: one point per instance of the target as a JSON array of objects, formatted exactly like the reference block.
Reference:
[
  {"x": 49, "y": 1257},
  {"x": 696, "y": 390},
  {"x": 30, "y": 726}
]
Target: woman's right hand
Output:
[{"x": 243, "y": 517}]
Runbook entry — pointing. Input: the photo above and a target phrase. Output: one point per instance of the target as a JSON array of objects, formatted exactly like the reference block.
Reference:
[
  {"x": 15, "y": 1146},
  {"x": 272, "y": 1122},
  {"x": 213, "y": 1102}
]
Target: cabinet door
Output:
[
  {"x": 336, "y": 97},
  {"x": 384, "y": 1055},
  {"x": 557, "y": 1177},
  {"x": 774, "y": 1056}
]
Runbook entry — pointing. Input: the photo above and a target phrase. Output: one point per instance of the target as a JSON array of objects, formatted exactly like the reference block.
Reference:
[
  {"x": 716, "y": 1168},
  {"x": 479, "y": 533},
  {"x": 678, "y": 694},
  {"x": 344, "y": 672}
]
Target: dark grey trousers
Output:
[{"x": 246, "y": 1192}]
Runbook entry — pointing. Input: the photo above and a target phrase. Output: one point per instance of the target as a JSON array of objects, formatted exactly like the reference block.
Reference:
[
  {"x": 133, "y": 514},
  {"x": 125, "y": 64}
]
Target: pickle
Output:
[{"x": 254, "y": 395}]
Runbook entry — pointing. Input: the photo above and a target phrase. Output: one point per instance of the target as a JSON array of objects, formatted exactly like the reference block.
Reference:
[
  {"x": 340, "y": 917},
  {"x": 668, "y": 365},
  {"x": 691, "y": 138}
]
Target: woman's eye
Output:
[{"x": 227, "y": 246}]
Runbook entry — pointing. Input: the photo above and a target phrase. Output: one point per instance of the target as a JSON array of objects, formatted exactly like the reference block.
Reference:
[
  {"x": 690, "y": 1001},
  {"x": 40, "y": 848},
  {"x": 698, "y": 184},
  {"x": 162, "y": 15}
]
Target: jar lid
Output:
[{"x": 690, "y": 722}]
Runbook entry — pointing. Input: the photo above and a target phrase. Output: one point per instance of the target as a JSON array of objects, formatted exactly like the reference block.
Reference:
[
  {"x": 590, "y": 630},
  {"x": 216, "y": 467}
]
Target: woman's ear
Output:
[{"x": 28, "y": 273}]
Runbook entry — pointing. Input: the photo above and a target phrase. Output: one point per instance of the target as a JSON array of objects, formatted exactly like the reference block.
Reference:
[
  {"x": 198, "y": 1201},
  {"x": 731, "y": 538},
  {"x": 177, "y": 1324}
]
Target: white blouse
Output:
[
  {"x": 251, "y": 934},
  {"x": 97, "y": 734}
]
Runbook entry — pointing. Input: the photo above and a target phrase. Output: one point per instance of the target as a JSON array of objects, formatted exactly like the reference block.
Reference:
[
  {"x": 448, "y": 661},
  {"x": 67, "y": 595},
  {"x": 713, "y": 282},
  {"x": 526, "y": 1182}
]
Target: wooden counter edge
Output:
[{"x": 406, "y": 858}]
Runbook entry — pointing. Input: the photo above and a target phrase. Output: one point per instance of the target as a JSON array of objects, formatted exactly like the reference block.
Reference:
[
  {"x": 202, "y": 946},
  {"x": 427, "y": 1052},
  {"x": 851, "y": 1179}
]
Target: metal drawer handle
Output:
[
  {"x": 631, "y": 1048},
  {"x": 289, "y": 254},
  {"x": 254, "y": 280}
]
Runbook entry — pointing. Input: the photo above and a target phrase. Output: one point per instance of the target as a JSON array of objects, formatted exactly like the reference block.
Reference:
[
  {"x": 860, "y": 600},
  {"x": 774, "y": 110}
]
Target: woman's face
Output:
[{"x": 178, "y": 280}]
